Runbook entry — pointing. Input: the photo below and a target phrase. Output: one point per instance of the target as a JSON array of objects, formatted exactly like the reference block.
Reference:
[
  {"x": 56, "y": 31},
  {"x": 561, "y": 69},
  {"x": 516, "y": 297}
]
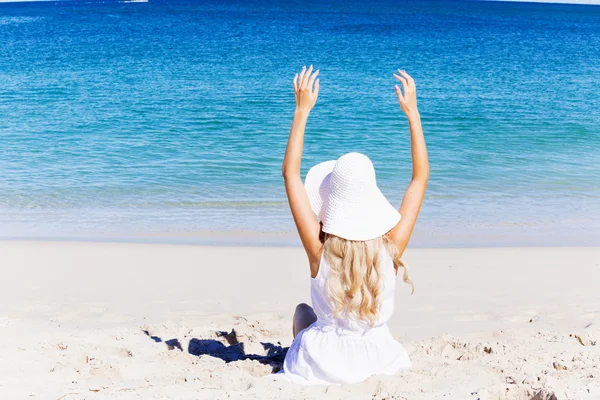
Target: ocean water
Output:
[{"x": 168, "y": 120}]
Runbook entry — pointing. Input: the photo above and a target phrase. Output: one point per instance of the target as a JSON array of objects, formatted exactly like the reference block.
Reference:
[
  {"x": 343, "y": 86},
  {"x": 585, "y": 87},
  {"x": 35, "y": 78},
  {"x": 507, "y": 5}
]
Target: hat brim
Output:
[
  {"x": 317, "y": 186},
  {"x": 360, "y": 222}
]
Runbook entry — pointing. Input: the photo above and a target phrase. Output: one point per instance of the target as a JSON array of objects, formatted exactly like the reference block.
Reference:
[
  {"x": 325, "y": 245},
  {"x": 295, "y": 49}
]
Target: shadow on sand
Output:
[{"x": 233, "y": 351}]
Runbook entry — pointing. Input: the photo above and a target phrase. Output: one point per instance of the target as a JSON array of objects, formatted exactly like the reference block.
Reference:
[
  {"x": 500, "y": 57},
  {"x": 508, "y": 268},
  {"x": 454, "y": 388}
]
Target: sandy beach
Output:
[
  {"x": 152, "y": 159},
  {"x": 131, "y": 321}
]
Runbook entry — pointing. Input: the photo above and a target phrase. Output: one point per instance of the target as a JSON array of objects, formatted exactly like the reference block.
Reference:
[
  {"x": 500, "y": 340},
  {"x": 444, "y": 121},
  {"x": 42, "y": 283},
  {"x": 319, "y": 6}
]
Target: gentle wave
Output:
[
  {"x": 220, "y": 204},
  {"x": 18, "y": 20}
]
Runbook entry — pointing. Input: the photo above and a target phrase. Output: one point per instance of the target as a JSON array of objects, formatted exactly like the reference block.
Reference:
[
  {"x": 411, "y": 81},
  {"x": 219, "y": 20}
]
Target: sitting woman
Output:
[{"x": 354, "y": 251}]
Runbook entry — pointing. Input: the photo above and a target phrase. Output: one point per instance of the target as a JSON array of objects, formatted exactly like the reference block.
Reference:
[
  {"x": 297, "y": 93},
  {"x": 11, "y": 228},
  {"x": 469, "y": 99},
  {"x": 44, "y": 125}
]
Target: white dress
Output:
[{"x": 335, "y": 351}]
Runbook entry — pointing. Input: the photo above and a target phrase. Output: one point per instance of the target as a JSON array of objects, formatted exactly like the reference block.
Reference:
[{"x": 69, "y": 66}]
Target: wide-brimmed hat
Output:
[{"x": 343, "y": 193}]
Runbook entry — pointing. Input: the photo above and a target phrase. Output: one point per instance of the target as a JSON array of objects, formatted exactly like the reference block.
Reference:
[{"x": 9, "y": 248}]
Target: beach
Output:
[
  {"x": 147, "y": 249},
  {"x": 119, "y": 320}
]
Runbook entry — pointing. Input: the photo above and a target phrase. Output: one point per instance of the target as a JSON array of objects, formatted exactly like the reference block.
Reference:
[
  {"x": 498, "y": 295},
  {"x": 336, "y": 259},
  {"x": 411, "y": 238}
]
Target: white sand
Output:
[{"x": 483, "y": 323}]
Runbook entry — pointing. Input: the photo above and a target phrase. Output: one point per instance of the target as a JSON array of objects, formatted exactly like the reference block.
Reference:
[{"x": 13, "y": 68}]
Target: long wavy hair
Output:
[{"x": 355, "y": 280}]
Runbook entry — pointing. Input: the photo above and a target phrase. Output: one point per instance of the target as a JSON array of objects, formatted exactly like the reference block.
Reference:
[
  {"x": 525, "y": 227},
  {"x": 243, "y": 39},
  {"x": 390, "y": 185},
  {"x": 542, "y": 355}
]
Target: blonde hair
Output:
[{"x": 355, "y": 279}]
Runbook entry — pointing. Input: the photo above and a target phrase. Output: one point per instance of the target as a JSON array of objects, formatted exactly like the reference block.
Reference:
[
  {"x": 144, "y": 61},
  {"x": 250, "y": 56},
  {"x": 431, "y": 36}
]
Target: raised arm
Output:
[
  {"x": 413, "y": 198},
  {"x": 306, "y": 223}
]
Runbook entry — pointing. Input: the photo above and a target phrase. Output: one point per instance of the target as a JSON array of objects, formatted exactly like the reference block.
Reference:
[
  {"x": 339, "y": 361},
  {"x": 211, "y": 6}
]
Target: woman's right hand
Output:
[
  {"x": 306, "y": 94},
  {"x": 408, "y": 100}
]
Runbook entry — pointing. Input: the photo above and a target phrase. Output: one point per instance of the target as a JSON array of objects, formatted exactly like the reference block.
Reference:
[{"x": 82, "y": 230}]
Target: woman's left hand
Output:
[
  {"x": 306, "y": 88},
  {"x": 408, "y": 100}
]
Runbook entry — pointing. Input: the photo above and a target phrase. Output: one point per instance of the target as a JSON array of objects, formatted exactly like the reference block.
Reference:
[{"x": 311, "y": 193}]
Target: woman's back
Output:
[
  {"x": 343, "y": 349},
  {"x": 324, "y": 307}
]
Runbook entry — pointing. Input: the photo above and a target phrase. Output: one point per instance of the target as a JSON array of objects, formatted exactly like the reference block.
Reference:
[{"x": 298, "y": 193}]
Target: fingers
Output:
[
  {"x": 311, "y": 80},
  {"x": 301, "y": 77},
  {"x": 407, "y": 76},
  {"x": 399, "y": 94},
  {"x": 306, "y": 87},
  {"x": 306, "y": 79},
  {"x": 407, "y": 96},
  {"x": 403, "y": 80},
  {"x": 409, "y": 80},
  {"x": 304, "y": 84}
]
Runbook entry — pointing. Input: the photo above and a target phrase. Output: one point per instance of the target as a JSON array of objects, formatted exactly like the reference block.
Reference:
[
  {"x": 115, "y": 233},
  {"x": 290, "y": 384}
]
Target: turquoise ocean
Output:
[{"x": 168, "y": 120}]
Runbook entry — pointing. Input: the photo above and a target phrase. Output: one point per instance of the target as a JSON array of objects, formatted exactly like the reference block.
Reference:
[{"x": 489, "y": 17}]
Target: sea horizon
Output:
[{"x": 167, "y": 121}]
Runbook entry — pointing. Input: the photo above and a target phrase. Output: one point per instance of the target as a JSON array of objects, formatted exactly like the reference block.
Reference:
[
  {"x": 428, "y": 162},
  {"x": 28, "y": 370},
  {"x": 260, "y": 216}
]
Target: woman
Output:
[{"x": 353, "y": 249}]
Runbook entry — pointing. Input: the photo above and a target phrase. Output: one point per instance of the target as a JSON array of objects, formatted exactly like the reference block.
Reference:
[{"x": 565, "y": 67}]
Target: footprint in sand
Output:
[
  {"x": 534, "y": 316},
  {"x": 123, "y": 352}
]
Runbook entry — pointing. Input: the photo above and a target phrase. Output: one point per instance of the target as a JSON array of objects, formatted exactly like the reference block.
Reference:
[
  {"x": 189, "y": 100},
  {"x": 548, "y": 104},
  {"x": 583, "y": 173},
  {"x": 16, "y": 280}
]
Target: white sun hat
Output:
[{"x": 343, "y": 193}]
